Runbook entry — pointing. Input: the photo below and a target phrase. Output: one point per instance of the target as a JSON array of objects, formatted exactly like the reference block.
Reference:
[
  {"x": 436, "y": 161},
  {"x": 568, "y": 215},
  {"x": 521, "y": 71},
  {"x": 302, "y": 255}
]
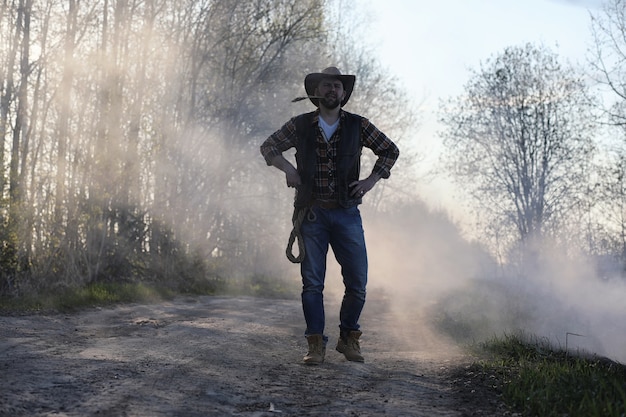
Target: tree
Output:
[
  {"x": 606, "y": 60},
  {"x": 130, "y": 133},
  {"x": 607, "y": 55},
  {"x": 519, "y": 140},
  {"x": 15, "y": 96}
]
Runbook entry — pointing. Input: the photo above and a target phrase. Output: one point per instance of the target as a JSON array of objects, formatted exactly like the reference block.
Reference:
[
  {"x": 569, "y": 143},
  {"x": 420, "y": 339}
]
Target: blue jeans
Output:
[{"x": 342, "y": 229}]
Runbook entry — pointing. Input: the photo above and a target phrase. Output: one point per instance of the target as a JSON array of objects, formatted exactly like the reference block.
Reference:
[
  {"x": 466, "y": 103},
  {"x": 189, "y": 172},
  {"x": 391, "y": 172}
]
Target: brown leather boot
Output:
[
  {"x": 350, "y": 347},
  {"x": 317, "y": 350}
]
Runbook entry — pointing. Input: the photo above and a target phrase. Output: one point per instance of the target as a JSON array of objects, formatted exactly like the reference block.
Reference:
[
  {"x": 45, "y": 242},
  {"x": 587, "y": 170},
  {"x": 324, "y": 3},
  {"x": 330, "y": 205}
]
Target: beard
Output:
[{"x": 331, "y": 102}]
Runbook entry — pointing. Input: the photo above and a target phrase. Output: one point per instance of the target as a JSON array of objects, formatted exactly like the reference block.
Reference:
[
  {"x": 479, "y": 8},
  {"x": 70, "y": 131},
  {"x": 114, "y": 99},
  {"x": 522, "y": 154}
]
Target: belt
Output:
[{"x": 326, "y": 204}]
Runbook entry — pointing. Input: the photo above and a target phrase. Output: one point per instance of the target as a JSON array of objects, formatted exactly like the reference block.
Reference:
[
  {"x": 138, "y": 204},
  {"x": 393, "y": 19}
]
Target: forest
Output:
[{"x": 131, "y": 129}]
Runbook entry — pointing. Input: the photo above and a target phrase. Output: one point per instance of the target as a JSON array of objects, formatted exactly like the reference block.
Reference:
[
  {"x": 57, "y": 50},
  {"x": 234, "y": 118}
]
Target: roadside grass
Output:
[
  {"x": 93, "y": 295},
  {"x": 106, "y": 294},
  {"x": 536, "y": 380}
]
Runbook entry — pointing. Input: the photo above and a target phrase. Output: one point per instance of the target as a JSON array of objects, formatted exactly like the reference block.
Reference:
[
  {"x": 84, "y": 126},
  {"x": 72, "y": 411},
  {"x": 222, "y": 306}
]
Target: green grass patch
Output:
[
  {"x": 97, "y": 294},
  {"x": 536, "y": 380},
  {"x": 111, "y": 293}
]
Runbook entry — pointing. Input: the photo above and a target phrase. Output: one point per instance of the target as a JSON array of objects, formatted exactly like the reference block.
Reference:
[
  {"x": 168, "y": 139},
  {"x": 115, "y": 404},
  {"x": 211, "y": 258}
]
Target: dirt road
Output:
[{"x": 215, "y": 356}]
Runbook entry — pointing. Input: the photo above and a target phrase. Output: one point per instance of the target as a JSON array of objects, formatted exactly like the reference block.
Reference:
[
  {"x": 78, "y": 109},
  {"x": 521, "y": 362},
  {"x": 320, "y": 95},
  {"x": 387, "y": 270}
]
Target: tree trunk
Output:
[{"x": 7, "y": 97}]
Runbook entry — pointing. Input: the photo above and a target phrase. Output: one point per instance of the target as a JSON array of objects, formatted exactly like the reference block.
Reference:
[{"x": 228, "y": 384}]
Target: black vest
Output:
[{"x": 347, "y": 163}]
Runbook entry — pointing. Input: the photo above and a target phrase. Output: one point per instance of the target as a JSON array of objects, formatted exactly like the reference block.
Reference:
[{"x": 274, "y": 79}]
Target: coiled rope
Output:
[{"x": 299, "y": 214}]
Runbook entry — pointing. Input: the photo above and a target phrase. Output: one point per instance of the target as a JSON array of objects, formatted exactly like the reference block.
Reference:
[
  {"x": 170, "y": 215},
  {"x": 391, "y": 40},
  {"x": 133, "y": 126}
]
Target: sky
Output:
[{"x": 430, "y": 45}]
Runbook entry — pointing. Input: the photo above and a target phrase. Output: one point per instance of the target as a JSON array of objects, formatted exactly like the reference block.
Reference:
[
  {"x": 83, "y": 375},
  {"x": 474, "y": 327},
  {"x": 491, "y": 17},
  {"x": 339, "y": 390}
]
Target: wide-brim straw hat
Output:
[{"x": 311, "y": 82}]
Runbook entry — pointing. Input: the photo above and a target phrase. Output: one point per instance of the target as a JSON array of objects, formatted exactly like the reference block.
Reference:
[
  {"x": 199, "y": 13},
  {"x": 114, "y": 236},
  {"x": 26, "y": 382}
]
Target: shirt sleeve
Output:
[
  {"x": 382, "y": 146},
  {"x": 279, "y": 141}
]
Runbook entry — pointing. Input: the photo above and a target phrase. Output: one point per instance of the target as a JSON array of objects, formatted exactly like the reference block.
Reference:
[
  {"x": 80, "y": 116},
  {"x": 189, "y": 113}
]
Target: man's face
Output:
[{"x": 332, "y": 92}]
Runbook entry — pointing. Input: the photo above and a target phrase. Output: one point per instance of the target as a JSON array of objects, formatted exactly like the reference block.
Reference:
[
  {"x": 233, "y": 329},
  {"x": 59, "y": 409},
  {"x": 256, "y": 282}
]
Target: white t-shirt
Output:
[{"x": 328, "y": 130}]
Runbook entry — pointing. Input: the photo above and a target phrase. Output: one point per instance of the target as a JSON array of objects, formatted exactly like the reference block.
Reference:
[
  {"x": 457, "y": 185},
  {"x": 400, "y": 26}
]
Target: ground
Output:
[{"x": 220, "y": 356}]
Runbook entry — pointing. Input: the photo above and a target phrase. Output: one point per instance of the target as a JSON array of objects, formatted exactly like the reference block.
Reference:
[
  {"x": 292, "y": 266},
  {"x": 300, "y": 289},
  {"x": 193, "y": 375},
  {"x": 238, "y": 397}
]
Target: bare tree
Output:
[
  {"x": 133, "y": 130},
  {"x": 243, "y": 53},
  {"x": 607, "y": 55},
  {"x": 14, "y": 97},
  {"x": 519, "y": 140},
  {"x": 12, "y": 21}
]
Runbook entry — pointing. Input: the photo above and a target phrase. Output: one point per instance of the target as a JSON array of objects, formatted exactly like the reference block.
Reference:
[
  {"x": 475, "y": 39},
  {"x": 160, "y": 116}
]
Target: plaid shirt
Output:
[{"x": 324, "y": 186}]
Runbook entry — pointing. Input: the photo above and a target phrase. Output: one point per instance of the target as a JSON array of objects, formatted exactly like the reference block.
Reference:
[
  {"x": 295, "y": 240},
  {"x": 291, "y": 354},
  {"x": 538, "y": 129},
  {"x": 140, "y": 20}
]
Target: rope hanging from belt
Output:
[{"x": 299, "y": 214}]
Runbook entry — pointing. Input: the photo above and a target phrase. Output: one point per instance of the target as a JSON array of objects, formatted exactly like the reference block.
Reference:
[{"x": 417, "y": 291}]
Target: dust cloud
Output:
[
  {"x": 422, "y": 269},
  {"x": 429, "y": 276},
  {"x": 571, "y": 305}
]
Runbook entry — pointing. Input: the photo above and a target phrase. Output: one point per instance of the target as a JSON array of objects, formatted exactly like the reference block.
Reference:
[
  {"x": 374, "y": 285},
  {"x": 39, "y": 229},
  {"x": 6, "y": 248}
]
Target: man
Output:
[{"x": 328, "y": 146}]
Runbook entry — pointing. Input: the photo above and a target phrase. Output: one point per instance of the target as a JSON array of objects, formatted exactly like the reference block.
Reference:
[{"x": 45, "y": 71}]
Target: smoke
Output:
[
  {"x": 572, "y": 306},
  {"x": 432, "y": 280}
]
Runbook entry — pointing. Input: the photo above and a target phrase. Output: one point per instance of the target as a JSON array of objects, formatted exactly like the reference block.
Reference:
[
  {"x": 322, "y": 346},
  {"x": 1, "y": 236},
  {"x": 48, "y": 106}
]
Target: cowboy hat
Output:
[{"x": 312, "y": 80}]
